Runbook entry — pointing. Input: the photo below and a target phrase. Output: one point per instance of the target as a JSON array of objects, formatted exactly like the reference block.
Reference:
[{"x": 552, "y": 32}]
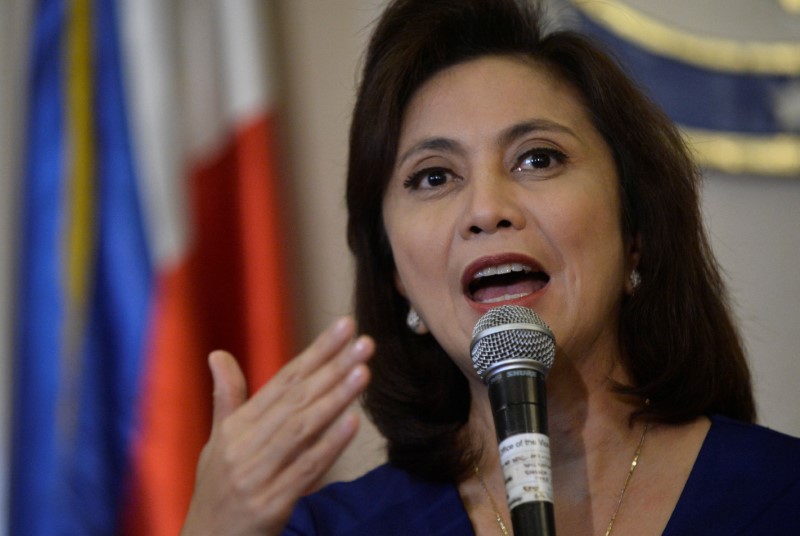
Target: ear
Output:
[
  {"x": 413, "y": 321},
  {"x": 634, "y": 251},
  {"x": 399, "y": 285}
]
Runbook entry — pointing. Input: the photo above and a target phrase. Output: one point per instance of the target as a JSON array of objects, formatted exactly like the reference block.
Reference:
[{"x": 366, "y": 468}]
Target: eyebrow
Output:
[
  {"x": 447, "y": 145},
  {"x": 515, "y": 131},
  {"x": 506, "y": 136}
]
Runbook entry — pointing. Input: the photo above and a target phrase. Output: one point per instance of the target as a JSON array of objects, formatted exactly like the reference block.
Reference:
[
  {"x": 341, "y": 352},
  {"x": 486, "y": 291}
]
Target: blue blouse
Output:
[{"x": 746, "y": 480}]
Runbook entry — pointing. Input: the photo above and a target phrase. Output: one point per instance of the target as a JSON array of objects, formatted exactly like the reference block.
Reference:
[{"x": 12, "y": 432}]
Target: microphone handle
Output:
[
  {"x": 519, "y": 409},
  {"x": 533, "y": 519}
]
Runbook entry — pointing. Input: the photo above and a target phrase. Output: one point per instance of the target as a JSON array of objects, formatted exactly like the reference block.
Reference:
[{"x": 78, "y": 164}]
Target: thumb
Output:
[{"x": 230, "y": 387}]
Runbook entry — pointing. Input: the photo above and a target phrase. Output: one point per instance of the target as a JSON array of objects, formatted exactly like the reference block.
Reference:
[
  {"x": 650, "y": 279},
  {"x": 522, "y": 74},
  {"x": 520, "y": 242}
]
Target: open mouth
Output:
[{"x": 505, "y": 282}]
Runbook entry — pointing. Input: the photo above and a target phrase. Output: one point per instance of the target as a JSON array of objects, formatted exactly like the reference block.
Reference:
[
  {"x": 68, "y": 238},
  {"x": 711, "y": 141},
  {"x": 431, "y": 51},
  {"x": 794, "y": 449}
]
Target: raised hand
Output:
[{"x": 266, "y": 452}]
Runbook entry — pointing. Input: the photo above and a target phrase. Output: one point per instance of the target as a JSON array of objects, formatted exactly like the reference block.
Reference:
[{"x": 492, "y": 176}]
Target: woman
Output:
[{"x": 491, "y": 164}]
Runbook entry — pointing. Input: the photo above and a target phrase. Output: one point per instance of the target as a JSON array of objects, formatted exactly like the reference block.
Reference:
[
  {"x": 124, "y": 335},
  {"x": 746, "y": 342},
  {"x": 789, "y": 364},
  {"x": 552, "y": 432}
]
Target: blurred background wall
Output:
[{"x": 753, "y": 220}]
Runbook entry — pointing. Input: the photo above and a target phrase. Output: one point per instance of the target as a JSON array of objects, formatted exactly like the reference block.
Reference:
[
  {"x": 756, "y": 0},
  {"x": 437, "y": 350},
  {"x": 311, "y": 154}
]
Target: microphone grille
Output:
[{"x": 511, "y": 332}]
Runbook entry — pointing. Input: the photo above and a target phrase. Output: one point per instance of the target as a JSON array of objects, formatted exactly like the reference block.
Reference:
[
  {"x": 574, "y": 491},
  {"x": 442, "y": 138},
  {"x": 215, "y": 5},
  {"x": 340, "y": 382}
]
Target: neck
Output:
[
  {"x": 586, "y": 417},
  {"x": 592, "y": 445},
  {"x": 592, "y": 441}
]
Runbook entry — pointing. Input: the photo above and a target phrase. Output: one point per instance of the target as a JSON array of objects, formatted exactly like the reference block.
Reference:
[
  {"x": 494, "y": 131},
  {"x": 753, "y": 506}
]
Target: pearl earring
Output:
[
  {"x": 415, "y": 323},
  {"x": 636, "y": 279}
]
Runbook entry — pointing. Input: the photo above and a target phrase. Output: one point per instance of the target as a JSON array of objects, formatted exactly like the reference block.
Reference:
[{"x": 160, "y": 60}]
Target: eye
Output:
[
  {"x": 540, "y": 159},
  {"x": 428, "y": 178}
]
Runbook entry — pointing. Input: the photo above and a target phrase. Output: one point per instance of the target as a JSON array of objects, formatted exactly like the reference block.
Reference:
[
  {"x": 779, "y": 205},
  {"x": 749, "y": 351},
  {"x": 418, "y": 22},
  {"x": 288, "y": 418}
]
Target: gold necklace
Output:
[
  {"x": 499, "y": 519},
  {"x": 634, "y": 463}
]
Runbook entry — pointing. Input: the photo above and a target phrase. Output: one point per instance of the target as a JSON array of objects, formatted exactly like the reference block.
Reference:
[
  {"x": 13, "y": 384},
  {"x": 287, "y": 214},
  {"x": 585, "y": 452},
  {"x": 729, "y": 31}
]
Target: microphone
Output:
[{"x": 512, "y": 350}]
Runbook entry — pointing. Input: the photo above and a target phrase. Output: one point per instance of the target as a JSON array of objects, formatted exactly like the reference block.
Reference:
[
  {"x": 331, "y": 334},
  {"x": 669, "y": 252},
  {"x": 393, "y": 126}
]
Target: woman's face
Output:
[{"x": 505, "y": 193}]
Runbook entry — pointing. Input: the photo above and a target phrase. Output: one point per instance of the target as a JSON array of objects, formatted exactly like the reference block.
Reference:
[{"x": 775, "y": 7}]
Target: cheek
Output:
[
  {"x": 420, "y": 243},
  {"x": 414, "y": 253},
  {"x": 586, "y": 234},
  {"x": 420, "y": 263}
]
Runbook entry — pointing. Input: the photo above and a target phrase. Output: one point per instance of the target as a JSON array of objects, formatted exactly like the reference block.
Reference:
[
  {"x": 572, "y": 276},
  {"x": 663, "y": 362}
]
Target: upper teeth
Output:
[{"x": 503, "y": 269}]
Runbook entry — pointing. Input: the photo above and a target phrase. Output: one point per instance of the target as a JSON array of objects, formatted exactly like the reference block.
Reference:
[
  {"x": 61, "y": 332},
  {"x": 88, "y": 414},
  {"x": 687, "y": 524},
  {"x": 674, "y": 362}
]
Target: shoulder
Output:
[
  {"x": 750, "y": 454},
  {"x": 746, "y": 480},
  {"x": 386, "y": 501},
  {"x": 737, "y": 433}
]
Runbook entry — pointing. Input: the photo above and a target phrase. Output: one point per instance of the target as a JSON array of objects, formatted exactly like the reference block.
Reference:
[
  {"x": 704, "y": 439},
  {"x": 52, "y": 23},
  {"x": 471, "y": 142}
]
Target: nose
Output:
[{"x": 492, "y": 204}]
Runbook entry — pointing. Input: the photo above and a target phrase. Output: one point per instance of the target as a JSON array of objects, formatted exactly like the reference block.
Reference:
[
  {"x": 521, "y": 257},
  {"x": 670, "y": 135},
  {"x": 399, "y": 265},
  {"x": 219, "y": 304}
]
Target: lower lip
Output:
[{"x": 525, "y": 300}]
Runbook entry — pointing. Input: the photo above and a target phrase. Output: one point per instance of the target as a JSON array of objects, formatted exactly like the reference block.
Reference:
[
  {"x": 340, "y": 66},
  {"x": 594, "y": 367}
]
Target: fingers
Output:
[
  {"x": 230, "y": 386},
  {"x": 290, "y": 415},
  {"x": 265, "y": 452},
  {"x": 296, "y": 428},
  {"x": 303, "y": 472},
  {"x": 327, "y": 359},
  {"x": 309, "y": 451},
  {"x": 325, "y": 346},
  {"x": 301, "y": 400}
]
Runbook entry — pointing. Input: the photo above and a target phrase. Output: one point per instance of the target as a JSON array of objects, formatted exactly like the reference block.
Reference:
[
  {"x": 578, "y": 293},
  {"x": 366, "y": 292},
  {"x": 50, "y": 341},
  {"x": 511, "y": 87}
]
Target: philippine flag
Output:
[{"x": 150, "y": 235}]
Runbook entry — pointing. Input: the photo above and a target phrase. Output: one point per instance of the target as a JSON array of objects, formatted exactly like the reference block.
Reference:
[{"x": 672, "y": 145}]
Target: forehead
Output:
[{"x": 486, "y": 94}]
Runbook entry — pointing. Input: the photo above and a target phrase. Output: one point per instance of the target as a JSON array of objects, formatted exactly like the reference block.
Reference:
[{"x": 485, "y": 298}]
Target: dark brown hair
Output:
[{"x": 679, "y": 344}]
